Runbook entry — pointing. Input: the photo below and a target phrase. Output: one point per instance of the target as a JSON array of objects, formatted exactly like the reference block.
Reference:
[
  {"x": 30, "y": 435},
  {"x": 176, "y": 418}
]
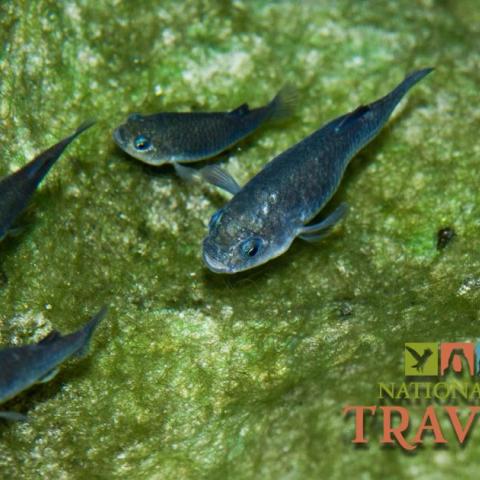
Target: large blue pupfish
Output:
[
  {"x": 186, "y": 137},
  {"x": 264, "y": 217},
  {"x": 22, "y": 367},
  {"x": 17, "y": 188}
]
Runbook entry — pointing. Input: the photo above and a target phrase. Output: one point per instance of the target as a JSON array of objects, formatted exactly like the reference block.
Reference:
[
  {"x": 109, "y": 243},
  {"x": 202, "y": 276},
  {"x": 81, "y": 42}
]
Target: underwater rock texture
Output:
[{"x": 194, "y": 375}]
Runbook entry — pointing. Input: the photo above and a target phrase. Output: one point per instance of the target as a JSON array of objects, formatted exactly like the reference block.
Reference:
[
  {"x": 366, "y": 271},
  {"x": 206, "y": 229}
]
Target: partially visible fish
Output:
[
  {"x": 192, "y": 136},
  {"x": 263, "y": 218},
  {"x": 17, "y": 189},
  {"x": 22, "y": 367}
]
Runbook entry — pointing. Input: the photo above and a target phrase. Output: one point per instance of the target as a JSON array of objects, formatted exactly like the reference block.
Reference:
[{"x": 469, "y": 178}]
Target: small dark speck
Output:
[
  {"x": 444, "y": 237},
  {"x": 345, "y": 309},
  {"x": 143, "y": 230}
]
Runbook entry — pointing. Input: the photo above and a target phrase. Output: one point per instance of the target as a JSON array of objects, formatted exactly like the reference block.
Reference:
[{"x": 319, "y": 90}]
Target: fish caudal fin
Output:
[
  {"x": 391, "y": 100},
  {"x": 283, "y": 104},
  {"x": 411, "y": 79},
  {"x": 40, "y": 165},
  {"x": 88, "y": 331}
]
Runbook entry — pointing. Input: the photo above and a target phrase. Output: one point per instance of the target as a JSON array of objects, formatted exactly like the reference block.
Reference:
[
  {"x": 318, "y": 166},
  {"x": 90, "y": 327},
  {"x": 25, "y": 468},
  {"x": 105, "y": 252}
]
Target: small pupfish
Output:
[
  {"x": 192, "y": 136},
  {"x": 263, "y": 218},
  {"x": 17, "y": 189},
  {"x": 22, "y": 367}
]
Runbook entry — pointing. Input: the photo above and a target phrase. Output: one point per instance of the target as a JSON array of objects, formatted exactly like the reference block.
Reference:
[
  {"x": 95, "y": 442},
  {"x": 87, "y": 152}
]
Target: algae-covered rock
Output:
[{"x": 195, "y": 375}]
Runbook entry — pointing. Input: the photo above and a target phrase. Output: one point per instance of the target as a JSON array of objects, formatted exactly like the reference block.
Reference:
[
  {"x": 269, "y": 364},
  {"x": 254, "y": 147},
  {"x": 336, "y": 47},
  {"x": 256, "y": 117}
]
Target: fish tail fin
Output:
[
  {"x": 410, "y": 80},
  {"x": 88, "y": 331},
  {"x": 283, "y": 105},
  {"x": 40, "y": 165},
  {"x": 407, "y": 83}
]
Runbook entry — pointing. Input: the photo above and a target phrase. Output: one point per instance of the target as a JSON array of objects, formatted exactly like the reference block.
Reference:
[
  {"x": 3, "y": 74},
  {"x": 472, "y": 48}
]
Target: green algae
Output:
[{"x": 201, "y": 376}]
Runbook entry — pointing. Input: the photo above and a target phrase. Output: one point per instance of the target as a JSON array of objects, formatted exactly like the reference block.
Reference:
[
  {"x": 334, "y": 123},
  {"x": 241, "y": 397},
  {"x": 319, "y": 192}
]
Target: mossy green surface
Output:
[{"x": 195, "y": 375}]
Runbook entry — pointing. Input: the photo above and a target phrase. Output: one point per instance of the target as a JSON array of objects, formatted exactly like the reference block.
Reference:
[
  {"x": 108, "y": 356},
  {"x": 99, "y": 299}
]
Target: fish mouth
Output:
[
  {"x": 118, "y": 136},
  {"x": 212, "y": 264}
]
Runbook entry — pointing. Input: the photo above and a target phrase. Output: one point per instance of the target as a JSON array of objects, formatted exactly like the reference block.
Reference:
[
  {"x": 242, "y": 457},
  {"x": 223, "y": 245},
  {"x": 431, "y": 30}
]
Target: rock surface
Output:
[{"x": 201, "y": 376}]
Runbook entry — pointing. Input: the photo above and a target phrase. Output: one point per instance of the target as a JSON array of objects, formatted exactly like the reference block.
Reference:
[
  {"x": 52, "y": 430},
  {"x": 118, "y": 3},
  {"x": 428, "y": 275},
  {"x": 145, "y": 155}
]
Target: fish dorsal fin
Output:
[
  {"x": 48, "y": 376},
  {"x": 353, "y": 116},
  {"x": 241, "y": 110},
  {"x": 134, "y": 117},
  {"x": 52, "y": 336}
]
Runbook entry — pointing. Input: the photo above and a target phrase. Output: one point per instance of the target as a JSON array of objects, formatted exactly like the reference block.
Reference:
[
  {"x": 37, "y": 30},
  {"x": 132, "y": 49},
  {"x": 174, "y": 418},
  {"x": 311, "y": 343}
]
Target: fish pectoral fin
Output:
[
  {"x": 243, "y": 109},
  {"x": 352, "y": 117},
  {"x": 53, "y": 335},
  {"x": 185, "y": 173},
  {"x": 313, "y": 233},
  {"x": 210, "y": 174},
  {"x": 48, "y": 376},
  {"x": 13, "y": 416},
  {"x": 220, "y": 178}
]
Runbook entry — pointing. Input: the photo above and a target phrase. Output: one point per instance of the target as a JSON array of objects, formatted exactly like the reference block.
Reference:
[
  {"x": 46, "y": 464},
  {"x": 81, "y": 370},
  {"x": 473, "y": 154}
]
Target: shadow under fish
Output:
[
  {"x": 21, "y": 367},
  {"x": 263, "y": 218},
  {"x": 17, "y": 188}
]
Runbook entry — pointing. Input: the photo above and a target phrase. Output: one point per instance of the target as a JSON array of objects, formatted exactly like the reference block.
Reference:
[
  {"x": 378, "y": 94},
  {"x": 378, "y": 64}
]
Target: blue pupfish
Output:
[
  {"x": 17, "y": 189},
  {"x": 263, "y": 218},
  {"x": 22, "y": 367},
  {"x": 192, "y": 136}
]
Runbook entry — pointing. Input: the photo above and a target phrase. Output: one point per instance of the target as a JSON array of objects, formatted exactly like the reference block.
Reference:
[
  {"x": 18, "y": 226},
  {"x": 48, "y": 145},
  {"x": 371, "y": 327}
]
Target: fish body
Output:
[
  {"x": 264, "y": 217},
  {"x": 17, "y": 189},
  {"x": 21, "y": 367},
  {"x": 186, "y": 137}
]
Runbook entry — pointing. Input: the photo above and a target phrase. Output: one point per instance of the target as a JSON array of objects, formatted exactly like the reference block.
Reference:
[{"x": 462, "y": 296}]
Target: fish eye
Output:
[
  {"x": 142, "y": 143},
  {"x": 250, "y": 247},
  {"x": 215, "y": 219}
]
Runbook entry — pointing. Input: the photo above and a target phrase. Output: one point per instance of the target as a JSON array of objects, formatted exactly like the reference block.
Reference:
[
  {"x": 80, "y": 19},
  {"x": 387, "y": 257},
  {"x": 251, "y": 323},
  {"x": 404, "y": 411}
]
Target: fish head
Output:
[
  {"x": 236, "y": 243},
  {"x": 139, "y": 137}
]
